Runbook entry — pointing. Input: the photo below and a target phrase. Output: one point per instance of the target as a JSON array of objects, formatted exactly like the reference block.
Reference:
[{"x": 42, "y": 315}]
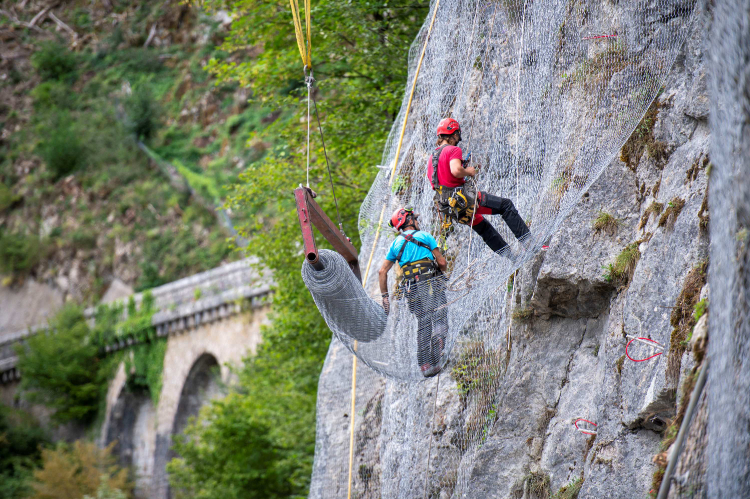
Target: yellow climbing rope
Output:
[
  {"x": 304, "y": 50},
  {"x": 401, "y": 137}
]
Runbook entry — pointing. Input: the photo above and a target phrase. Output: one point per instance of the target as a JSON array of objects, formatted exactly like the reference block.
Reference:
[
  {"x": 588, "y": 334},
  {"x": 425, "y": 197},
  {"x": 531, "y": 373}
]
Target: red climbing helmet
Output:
[
  {"x": 400, "y": 217},
  {"x": 447, "y": 126}
]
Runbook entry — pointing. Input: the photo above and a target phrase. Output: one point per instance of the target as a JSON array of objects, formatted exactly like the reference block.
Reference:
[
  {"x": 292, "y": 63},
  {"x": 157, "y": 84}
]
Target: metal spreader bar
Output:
[{"x": 311, "y": 214}]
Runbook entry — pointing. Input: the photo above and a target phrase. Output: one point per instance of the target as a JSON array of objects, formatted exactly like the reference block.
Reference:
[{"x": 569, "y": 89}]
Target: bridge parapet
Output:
[{"x": 181, "y": 305}]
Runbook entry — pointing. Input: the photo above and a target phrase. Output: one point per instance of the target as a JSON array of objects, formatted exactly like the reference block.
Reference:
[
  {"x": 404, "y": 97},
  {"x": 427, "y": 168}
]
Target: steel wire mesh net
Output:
[{"x": 546, "y": 92}]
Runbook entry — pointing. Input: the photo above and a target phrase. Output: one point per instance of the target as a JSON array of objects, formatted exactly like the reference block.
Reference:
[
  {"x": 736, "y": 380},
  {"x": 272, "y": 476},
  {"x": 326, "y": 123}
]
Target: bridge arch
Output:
[{"x": 131, "y": 422}]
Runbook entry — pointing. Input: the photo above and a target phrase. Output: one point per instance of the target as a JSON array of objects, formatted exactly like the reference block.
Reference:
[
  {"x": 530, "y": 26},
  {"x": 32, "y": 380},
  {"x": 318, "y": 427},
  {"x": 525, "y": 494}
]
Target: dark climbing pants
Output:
[
  {"x": 495, "y": 205},
  {"x": 426, "y": 299}
]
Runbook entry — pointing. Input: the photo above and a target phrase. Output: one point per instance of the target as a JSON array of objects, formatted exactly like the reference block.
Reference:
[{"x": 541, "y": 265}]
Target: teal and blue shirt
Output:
[{"x": 412, "y": 252}]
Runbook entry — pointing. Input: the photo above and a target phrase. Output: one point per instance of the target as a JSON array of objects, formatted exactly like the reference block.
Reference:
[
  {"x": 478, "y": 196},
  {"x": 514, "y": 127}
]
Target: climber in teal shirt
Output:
[{"x": 423, "y": 264}]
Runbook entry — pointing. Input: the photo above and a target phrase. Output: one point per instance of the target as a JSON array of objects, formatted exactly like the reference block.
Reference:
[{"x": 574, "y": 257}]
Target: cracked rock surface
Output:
[{"x": 567, "y": 361}]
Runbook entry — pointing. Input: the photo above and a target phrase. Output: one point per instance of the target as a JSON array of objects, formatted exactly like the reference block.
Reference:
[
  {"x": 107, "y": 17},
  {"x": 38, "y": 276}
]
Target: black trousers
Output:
[
  {"x": 426, "y": 299},
  {"x": 496, "y": 205}
]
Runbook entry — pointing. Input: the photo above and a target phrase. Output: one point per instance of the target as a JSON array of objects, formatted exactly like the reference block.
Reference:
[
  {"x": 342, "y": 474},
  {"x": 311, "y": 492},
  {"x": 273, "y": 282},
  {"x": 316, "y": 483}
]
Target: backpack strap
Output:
[
  {"x": 409, "y": 238},
  {"x": 435, "y": 161}
]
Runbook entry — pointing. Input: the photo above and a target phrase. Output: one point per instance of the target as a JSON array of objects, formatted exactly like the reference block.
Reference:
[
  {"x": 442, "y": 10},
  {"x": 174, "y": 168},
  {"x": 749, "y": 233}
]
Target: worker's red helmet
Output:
[
  {"x": 448, "y": 126},
  {"x": 400, "y": 217}
]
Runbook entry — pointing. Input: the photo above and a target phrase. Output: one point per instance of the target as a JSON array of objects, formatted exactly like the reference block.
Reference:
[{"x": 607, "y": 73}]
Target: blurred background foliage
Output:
[{"x": 120, "y": 155}]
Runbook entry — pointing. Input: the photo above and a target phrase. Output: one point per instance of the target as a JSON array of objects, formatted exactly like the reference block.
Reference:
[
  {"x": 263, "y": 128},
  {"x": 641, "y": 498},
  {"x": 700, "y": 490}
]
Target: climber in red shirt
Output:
[{"x": 457, "y": 199}]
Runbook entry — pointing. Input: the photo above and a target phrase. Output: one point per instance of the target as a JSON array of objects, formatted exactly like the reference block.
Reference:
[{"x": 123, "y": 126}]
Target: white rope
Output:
[{"x": 308, "y": 82}]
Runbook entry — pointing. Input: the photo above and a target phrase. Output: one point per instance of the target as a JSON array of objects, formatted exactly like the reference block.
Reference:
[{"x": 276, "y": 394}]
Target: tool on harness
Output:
[
  {"x": 413, "y": 270},
  {"x": 455, "y": 203}
]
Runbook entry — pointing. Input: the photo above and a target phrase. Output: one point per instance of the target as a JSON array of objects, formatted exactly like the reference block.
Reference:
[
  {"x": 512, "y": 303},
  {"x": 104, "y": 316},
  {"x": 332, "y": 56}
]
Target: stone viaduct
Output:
[{"x": 211, "y": 321}]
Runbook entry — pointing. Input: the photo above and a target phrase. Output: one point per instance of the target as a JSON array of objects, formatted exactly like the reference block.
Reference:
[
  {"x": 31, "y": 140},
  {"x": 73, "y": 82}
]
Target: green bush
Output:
[
  {"x": 74, "y": 471},
  {"x": 19, "y": 252},
  {"x": 142, "y": 113},
  {"x": 62, "y": 149},
  {"x": 7, "y": 198},
  {"x": 20, "y": 442},
  {"x": 51, "y": 95},
  {"x": 621, "y": 271},
  {"x": 62, "y": 368},
  {"x": 54, "y": 62}
]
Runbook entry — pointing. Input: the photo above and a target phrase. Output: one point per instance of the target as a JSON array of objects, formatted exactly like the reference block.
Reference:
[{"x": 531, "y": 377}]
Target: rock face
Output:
[
  {"x": 567, "y": 361},
  {"x": 729, "y": 345}
]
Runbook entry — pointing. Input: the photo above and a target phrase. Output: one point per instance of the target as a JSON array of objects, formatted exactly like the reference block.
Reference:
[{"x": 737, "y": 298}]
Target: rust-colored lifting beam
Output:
[{"x": 310, "y": 213}]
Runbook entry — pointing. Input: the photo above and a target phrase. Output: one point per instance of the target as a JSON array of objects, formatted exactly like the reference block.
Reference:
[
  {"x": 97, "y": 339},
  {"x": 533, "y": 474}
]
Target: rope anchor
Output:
[
  {"x": 586, "y": 430},
  {"x": 646, "y": 341},
  {"x": 598, "y": 37}
]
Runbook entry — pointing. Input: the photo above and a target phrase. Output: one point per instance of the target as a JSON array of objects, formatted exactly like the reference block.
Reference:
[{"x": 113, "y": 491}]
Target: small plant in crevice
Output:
[
  {"x": 606, "y": 222},
  {"x": 703, "y": 214},
  {"x": 656, "y": 481},
  {"x": 683, "y": 319},
  {"x": 523, "y": 314},
  {"x": 674, "y": 207},
  {"x": 569, "y": 491},
  {"x": 654, "y": 208},
  {"x": 475, "y": 369},
  {"x": 622, "y": 269},
  {"x": 538, "y": 484},
  {"x": 700, "y": 309},
  {"x": 619, "y": 364},
  {"x": 642, "y": 140}
]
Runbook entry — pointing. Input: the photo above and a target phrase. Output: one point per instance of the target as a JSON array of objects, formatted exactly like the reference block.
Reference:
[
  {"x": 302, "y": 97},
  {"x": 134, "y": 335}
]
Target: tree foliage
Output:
[
  {"x": 62, "y": 367},
  {"x": 73, "y": 471},
  {"x": 66, "y": 366},
  {"x": 21, "y": 439},
  {"x": 265, "y": 430}
]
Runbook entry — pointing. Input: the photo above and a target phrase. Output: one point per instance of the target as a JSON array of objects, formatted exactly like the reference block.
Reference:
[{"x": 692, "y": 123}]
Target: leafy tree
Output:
[
  {"x": 62, "y": 368},
  {"x": 20, "y": 442},
  {"x": 72, "y": 471},
  {"x": 359, "y": 57}
]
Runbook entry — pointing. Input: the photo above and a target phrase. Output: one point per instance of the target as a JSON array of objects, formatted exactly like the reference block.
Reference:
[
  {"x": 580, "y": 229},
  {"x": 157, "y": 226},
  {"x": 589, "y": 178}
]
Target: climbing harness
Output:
[{"x": 454, "y": 203}]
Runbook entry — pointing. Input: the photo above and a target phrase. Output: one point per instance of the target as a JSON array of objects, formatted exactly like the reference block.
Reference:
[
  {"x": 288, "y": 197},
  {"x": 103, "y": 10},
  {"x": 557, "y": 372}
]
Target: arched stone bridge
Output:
[{"x": 211, "y": 320}]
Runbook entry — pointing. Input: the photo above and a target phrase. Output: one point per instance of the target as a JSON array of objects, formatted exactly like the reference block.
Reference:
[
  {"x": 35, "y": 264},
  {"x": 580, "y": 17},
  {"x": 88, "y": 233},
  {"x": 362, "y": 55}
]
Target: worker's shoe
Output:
[{"x": 428, "y": 370}]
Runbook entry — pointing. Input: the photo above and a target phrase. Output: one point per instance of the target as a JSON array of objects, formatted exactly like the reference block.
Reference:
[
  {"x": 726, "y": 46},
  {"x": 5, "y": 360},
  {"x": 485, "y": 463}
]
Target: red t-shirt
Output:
[{"x": 445, "y": 177}]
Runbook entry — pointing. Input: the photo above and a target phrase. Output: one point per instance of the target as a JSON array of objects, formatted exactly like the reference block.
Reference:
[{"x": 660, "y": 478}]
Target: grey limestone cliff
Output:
[{"x": 567, "y": 360}]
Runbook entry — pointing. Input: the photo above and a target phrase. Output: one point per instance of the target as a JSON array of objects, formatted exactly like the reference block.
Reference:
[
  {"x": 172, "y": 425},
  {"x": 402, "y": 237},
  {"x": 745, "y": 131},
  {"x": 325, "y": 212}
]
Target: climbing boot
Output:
[
  {"x": 428, "y": 370},
  {"x": 489, "y": 235}
]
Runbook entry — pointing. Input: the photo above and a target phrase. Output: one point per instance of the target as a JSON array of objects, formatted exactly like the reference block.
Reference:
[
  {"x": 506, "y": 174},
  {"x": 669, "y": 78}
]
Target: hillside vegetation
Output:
[
  {"x": 126, "y": 125},
  {"x": 80, "y": 202}
]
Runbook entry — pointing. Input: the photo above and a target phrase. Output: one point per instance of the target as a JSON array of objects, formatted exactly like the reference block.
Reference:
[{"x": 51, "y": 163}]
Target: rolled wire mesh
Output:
[{"x": 546, "y": 92}]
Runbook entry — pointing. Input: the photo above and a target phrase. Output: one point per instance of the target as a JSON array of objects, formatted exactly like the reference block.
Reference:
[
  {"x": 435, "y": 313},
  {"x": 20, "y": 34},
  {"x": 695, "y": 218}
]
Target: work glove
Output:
[{"x": 386, "y": 304}]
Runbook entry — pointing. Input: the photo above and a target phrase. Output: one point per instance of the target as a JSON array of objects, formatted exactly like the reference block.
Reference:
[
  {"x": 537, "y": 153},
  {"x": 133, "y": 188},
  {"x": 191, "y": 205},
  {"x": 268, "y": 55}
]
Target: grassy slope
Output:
[{"x": 116, "y": 214}]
